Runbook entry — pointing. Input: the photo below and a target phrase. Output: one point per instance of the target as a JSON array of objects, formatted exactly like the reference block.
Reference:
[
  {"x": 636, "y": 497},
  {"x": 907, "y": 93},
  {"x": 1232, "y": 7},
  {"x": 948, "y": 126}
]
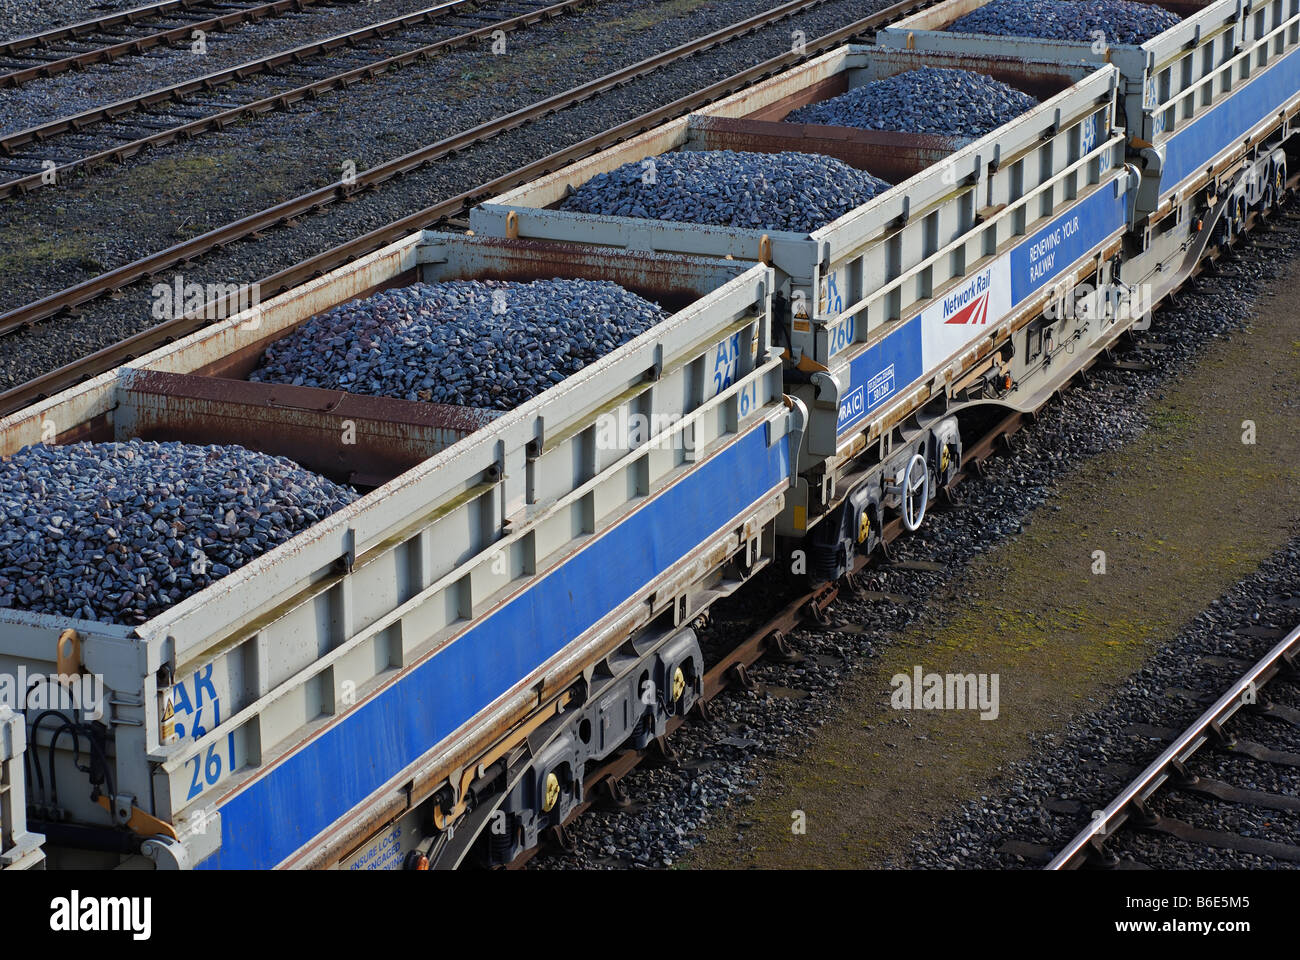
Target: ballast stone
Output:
[
  {"x": 118, "y": 532},
  {"x": 931, "y": 100},
  {"x": 1085, "y": 21},
  {"x": 491, "y": 344},
  {"x": 730, "y": 188}
]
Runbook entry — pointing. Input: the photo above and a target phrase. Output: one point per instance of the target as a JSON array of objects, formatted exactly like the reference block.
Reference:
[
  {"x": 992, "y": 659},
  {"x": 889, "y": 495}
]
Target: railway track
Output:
[
  {"x": 286, "y": 213},
  {"x": 129, "y": 33},
  {"x": 191, "y": 108},
  {"x": 603, "y": 783},
  {"x": 1174, "y": 771}
]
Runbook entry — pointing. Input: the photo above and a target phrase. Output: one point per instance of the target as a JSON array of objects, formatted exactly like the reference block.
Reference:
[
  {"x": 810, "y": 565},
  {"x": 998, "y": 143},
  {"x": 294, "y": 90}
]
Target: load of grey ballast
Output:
[
  {"x": 1086, "y": 21},
  {"x": 483, "y": 343},
  {"x": 954, "y": 103},
  {"x": 119, "y": 532},
  {"x": 761, "y": 191}
]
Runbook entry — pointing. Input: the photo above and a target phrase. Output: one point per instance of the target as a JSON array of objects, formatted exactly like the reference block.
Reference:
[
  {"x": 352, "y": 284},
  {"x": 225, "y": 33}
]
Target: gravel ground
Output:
[
  {"x": 82, "y": 231},
  {"x": 723, "y": 760},
  {"x": 19, "y": 18},
  {"x": 43, "y": 100},
  {"x": 973, "y": 838}
]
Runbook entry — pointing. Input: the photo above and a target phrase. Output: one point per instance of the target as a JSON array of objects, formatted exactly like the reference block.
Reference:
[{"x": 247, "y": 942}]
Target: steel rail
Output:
[
  {"x": 137, "y": 45},
  {"x": 278, "y": 101},
  {"x": 73, "y": 30},
  {"x": 603, "y": 781},
  {"x": 287, "y": 211},
  {"x": 175, "y": 93},
  {"x": 769, "y": 639},
  {"x": 1154, "y": 776}
]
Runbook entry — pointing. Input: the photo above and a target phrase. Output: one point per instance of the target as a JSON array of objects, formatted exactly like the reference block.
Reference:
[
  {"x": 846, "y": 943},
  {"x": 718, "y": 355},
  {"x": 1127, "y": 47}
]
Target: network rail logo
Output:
[
  {"x": 975, "y": 312},
  {"x": 970, "y": 304}
]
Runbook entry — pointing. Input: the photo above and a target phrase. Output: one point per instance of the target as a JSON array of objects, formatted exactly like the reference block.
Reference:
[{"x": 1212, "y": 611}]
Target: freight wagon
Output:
[
  {"x": 420, "y": 677},
  {"x": 928, "y": 299},
  {"x": 1208, "y": 107}
]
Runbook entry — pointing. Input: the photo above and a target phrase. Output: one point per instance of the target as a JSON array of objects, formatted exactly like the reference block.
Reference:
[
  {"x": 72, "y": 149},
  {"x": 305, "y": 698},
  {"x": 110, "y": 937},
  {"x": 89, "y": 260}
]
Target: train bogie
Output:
[
  {"x": 423, "y": 677},
  {"x": 405, "y": 644}
]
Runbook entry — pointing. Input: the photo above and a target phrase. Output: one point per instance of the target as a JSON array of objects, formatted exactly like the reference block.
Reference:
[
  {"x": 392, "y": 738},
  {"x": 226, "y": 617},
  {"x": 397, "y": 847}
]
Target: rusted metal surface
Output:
[
  {"x": 345, "y": 436},
  {"x": 166, "y": 332},
  {"x": 1041, "y": 78},
  {"x": 1131, "y": 801},
  {"x": 115, "y": 51},
  {"x": 894, "y": 157},
  {"x": 823, "y": 89},
  {"x": 671, "y": 281},
  {"x": 61, "y": 416},
  {"x": 278, "y": 101}
]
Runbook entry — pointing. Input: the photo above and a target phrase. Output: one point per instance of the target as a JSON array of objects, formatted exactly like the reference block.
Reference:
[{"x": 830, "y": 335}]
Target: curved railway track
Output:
[
  {"x": 190, "y": 108},
  {"x": 128, "y": 33},
  {"x": 1171, "y": 771},
  {"x": 285, "y": 214}
]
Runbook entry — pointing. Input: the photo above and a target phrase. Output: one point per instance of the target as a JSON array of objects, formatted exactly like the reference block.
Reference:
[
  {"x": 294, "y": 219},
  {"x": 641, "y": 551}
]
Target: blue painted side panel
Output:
[
  {"x": 1192, "y": 148},
  {"x": 898, "y": 361},
  {"x": 880, "y": 371},
  {"x": 291, "y": 803},
  {"x": 1037, "y": 260}
]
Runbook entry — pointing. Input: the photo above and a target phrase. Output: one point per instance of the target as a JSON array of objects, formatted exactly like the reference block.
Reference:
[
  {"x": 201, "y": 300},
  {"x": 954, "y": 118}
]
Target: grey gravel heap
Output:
[
  {"x": 933, "y": 100},
  {"x": 119, "y": 532},
  {"x": 491, "y": 344},
  {"x": 1086, "y": 21},
  {"x": 762, "y": 191}
]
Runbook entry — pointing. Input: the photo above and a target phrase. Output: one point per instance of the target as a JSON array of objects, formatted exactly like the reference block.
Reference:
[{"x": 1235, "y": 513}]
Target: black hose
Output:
[
  {"x": 36, "y": 726},
  {"x": 29, "y": 767},
  {"x": 76, "y": 755},
  {"x": 98, "y": 752}
]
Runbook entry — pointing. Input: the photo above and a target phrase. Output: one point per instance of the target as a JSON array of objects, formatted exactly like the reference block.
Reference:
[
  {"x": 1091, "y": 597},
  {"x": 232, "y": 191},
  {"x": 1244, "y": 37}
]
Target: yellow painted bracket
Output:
[
  {"x": 141, "y": 823},
  {"x": 806, "y": 363},
  {"x": 67, "y": 653}
]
